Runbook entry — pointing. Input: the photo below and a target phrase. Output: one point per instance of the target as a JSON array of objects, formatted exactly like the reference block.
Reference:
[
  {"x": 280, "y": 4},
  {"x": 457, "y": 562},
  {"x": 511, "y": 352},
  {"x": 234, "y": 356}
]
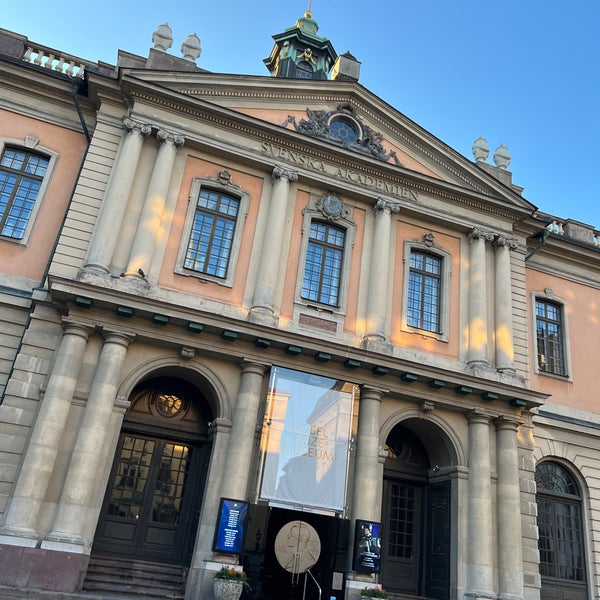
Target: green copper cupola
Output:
[{"x": 299, "y": 53}]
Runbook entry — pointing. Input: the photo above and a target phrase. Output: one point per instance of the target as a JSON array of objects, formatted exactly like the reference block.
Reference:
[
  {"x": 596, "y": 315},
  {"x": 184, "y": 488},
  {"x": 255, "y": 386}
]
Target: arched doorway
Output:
[
  {"x": 416, "y": 520},
  {"x": 154, "y": 492}
]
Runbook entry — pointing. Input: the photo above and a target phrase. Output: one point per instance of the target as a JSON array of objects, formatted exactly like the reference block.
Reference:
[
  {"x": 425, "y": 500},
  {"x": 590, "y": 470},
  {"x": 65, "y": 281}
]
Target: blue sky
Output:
[{"x": 524, "y": 73}]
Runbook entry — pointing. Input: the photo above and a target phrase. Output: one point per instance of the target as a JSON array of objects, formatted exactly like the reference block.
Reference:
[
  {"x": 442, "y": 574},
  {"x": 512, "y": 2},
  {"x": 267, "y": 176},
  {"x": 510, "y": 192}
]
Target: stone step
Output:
[{"x": 116, "y": 579}]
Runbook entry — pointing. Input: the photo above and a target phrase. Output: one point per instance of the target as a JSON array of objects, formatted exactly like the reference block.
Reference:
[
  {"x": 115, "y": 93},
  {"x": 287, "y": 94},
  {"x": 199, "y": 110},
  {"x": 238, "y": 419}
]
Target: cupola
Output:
[{"x": 299, "y": 53}]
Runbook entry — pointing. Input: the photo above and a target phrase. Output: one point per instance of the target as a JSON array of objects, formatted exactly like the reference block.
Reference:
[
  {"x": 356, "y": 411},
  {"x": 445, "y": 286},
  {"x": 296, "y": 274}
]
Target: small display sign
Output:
[
  {"x": 231, "y": 526},
  {"x": 367, "y": 547}
]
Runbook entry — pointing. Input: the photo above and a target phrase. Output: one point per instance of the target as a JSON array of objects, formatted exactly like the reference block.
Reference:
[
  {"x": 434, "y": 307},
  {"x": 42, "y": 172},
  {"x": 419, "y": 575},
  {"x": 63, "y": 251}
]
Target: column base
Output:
[
  {"x": 63, "y": 542},
  {"x": 470, "y": 595},
  {"x": 263, "y": 315},
  {"x": 18, "y": 536}
]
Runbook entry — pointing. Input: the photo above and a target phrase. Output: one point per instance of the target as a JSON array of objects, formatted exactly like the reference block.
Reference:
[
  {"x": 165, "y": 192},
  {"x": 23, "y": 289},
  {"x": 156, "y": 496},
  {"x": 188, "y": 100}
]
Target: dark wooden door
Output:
[
  {"x": 402, "y": 518},
  {"x": 152, "y": 499},
  {"x": 437, "y": 541}
]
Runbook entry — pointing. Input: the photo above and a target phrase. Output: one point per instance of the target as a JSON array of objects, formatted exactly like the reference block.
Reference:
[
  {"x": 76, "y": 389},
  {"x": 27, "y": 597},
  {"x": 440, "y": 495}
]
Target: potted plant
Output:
[
  {"x": 374, "y": 592},
  {"x": 230, "y": 583}
]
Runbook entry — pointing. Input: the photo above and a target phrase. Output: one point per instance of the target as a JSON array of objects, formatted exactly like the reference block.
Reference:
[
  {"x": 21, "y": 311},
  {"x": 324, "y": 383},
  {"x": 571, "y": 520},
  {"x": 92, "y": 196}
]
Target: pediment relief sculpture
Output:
[{"x": 341, "y": 126}]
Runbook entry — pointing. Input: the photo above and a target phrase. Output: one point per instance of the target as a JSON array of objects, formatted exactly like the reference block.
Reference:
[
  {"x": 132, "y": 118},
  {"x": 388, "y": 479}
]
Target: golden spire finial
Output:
[{"x": 309, "y": 9}]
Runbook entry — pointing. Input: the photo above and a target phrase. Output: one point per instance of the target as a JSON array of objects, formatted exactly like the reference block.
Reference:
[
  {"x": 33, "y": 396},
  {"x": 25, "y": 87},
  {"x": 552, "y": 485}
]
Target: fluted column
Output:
[
  {"x": 510, "y": 537},
  {"x": 379, "y": 275},
  {"x": 368, "y": 470},
  {"x": 505, "y": 351},
  {"x": 264, "y": 304},
  {"x": 479, "y": 515},
  {"x": 108, "y": 225},
  {"x": 478, "y": 327},
  {"x": 243, "y": 432},
  {"x": 148, "y": 229},
  {"x": 79, "y": 490},
  {"x": 40, "y": 456}
]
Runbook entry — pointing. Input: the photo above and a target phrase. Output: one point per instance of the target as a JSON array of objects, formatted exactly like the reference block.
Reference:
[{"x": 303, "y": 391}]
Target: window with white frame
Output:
[
  {"x": 212, "y": 233},
  {"x": 550, "y": 336},
  {"x": 327, "y": 235},
  {"x": 323, "y": 264},
  {"x": 426, "y": 289},
  {"x": 22, "y": 175}
]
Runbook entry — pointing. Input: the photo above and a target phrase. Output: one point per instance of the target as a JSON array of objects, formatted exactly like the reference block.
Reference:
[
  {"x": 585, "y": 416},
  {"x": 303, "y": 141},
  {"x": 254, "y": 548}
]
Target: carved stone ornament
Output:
[
  {"x": 367, "y": 142},
  {"x": 331, "y": 207},
  {"x": 224, "y": 177},
  {"x": 428, "y": 239}
]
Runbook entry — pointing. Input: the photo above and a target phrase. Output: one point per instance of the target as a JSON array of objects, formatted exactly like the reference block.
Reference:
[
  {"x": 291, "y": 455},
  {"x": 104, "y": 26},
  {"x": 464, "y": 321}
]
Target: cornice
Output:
[
  {"x": 269, "y": 91},
  {"x": 262, "y": 132}
]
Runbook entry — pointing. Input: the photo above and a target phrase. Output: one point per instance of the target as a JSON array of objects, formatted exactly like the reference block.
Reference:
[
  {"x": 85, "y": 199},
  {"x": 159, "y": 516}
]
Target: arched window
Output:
[
  {"x": 304, "y": 70},
  {"x": 560, "y": 539}
]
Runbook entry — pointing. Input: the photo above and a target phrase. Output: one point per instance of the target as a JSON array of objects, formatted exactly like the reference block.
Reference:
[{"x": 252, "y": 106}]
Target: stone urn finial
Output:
[
  {"x": 502, "y": 157},
  {"x": 480, "y": 149},
  {"x": 191, "y": 49},
  {"x": 162, "y": 38}
]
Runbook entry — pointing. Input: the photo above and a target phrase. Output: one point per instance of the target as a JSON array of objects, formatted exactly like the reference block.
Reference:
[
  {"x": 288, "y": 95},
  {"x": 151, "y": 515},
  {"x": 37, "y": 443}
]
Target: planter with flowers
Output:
[
  {"x": 374, "y": 592},
  {"x": 230, "y": 583}
]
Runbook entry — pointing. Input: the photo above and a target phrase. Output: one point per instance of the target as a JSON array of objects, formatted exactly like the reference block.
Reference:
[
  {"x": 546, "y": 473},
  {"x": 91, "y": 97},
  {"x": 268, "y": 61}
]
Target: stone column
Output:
[
  {"x": 368, "y": 470},
  {"x": 148, "y": 229},
  {"x": 264, "y": 308},
  {"x": 40, "y": 456},
  {"x": 79, "y": 490},
  {"x": 480, "y": 578},
  {"x": 510, "y": 537},
  {"x": 505, "y": 351},
  {"x": 379, "y": 274},
  {"x": 478, "y": 328},
  {"x": 108, "y": 225},
  {"x": 243, "y": 432}
]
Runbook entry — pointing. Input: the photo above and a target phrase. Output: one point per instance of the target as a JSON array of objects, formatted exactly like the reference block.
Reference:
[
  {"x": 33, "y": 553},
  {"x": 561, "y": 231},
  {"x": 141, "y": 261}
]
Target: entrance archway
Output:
[
  {"x": 154, "y": 492},
  {"x": 416, "y": 518}
]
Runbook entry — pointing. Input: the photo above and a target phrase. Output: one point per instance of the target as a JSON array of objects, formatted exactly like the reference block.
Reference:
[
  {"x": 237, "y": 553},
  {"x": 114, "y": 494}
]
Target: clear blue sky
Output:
[{"x": 524, "y": 73}]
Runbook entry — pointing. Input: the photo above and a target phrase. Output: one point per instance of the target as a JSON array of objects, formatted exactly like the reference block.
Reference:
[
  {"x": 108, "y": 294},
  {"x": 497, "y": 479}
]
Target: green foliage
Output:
[{"x": 231, "y": 574}]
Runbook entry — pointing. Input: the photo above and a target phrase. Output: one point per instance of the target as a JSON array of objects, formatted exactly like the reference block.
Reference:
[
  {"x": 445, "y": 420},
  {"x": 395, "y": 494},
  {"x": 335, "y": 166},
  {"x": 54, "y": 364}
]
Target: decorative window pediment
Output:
[{"x": 341, "y": 126}]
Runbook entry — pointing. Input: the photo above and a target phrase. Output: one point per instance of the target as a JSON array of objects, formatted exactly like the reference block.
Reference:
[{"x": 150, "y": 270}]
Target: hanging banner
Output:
[{"x": 305, "y": 441}]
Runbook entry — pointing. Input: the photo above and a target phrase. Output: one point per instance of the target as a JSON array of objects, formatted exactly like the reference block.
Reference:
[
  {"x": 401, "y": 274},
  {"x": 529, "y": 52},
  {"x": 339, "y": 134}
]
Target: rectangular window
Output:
[
  {"x": 324, "y": 261},
  {"x": 21, "y": 176},
  {"x": 550, "y": 337},
  {"x": 211, "y": 236},
  {"x": 424, "y": 291}
]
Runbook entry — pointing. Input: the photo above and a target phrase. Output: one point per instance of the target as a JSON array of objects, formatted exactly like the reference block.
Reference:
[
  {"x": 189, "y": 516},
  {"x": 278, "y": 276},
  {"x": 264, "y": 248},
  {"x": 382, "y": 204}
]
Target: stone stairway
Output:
[{"x": 124, "y": 579}]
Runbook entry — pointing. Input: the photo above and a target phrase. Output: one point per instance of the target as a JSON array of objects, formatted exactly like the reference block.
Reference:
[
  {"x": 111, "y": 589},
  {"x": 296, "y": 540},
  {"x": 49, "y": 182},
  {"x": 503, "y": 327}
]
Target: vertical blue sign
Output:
[{"x": 231, "y": 527}]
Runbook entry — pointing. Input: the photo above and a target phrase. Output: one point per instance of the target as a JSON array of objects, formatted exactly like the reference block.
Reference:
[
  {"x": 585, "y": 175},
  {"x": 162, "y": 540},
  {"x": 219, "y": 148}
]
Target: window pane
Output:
[
  {"x": 424, "y": 291},
  {"x": 21, "y": 175},
  {"x": 560, "y": 540},
  {"x": 549, "y": 333},
  {"x": 211, "y": 238},
  {"x": 323, "y": 266}
]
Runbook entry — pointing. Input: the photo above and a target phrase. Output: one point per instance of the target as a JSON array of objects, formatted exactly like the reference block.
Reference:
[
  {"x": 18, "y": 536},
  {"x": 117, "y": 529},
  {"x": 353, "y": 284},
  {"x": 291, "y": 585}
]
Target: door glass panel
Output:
[
  {"x": 401, "y": 521},
  {"x": 170, "y": 483},
  {"x": 132, "y": 474}
]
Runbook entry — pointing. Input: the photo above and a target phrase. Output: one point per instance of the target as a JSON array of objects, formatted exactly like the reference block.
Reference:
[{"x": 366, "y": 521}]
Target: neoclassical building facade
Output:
[{"x": 269, "y": 322}]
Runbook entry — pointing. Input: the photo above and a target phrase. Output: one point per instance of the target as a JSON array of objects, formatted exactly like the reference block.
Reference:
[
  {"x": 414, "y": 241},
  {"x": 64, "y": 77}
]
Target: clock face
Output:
[
  {"x": 332, "y": 206},
  {"x": 297, "y": 546}
]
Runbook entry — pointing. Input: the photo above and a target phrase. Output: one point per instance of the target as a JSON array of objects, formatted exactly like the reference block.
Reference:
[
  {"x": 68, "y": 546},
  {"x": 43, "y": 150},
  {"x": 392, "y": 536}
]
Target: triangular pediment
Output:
[{"x": 310, "y": 110}]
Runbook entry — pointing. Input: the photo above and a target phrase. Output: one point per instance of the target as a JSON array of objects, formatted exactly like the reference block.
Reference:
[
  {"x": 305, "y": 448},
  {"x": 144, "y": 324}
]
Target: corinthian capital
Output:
[
  {"x": 385, "y": 206},
  {"x": 281, "y": 173}
]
